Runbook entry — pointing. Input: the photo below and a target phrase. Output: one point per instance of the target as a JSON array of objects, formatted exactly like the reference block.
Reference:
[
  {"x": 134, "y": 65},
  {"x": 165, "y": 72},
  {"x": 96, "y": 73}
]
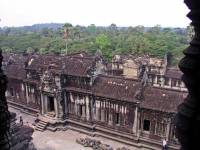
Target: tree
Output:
[
  {"x": 92, "y": 29},
  {"x": 7, "y": 49},
  {"x": 67, "y": 27},
  {"x": 42, "y": 51},
  {"x": 102, "y": 41},
  {"x": 30, "y": 50}
]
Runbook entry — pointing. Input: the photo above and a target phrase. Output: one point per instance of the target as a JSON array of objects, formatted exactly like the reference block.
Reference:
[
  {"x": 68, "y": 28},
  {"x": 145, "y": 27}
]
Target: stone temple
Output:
[{"x": 133, "y": 99}]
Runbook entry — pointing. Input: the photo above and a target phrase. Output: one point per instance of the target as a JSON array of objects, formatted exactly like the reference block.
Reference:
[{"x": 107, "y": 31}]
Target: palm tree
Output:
[{"x": 67, "y": 27}]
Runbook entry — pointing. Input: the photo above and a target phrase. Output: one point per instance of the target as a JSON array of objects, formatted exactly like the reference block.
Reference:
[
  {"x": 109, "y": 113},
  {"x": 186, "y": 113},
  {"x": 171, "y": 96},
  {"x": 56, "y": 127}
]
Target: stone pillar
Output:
[
  {"x": 4, "y": 113},
  {"x": 87, "y": 108},
  {"x": 97, "y": 110},
  {"x": 42, "y": 104},
  {"x": 45, "y": 104},
  {"x": 156, "y": 79},
  {"x": 168, "y": 131},
  {"x": 170, "y": 82},
  {"x": 188, "y": 116},
  {"x": 103, "y": 111},
  {"x": 93, "y": 112},
  {"x": 65, "y": 103},
  {"x": 27, "y": 97},
  {"x": 76, "y": 106},
  {"x": 138, "y": 123},
  {"x": 56, "y": 107},
  {"x": 83, "y": 105},
  {"x": 162, "y": 81},
  {"x": 135, "y": 123},
  {"x": 103, "y": 115},
  {"x": 110, "y": 122}
]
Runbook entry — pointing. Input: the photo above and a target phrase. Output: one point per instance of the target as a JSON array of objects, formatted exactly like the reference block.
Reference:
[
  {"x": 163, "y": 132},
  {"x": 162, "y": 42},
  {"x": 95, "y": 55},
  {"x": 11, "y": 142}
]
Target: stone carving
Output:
[{"x": 48, "y": 82}]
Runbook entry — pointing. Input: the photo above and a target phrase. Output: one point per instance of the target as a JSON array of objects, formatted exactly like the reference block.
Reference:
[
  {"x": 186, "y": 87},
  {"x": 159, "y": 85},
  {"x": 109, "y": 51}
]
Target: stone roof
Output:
[
  {"x": 13, "y": 66},
  {"x": 160, "y": 99},
  {"x": 115, "y": 88},
  {"x": 118, "y": 88},
  {"x": 14, "y": 59},
  {"x": 173, "y": 73},
  {"x": 76, "y": 65},
  {"x": 15, "y": 71}
]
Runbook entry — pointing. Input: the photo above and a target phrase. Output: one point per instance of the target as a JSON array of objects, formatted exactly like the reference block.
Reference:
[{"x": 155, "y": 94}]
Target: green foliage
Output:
[
  {"x": 30, "y": 50},
  {"x": 7, "y": 49},
  {"x": 48, "y": 38},
  {"x": 102, "y": 41}
]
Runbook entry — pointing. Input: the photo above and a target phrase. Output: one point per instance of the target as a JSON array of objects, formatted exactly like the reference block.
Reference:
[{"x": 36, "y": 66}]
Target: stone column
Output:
[
  {"x": 103, "y": 115},
  {"x": 170, "y": 82},
  {"x": 162, "y": 81},
  {"x": 42, "y": 104},
  {"x": 87, "y": 108},
  {"x": 56, "y": 107},
  {"x": 45, "y": 104},
  {"x": 156, "y": 79},
  {"x": 103, "y": 111},
  {"x": 27, "y": 97},
  {"x": 168, "y": 131},
  {"x": 110, "y": 122},
  {"x": 110, "y": 117},
  {"x": 135, "y": 123},
  {"x": 65, "y": 103},
  {"x": 97, "y": 110},
  {"x": 188, "y": 116}
]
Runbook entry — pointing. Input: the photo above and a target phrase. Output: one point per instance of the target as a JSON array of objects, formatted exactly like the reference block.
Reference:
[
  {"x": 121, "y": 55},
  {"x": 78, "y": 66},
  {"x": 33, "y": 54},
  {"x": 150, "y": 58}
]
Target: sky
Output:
[{"x": 167, "y": 13}]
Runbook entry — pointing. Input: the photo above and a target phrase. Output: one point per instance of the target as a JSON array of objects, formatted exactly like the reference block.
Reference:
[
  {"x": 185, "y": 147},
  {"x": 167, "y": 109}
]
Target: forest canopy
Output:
[{"x": 66, "y": 38}]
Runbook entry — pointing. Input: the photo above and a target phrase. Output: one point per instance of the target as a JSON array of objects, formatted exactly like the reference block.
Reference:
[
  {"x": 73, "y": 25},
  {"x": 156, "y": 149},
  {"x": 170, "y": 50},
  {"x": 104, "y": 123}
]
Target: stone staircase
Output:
[
  {"x": 41, "y": 125},
  {"x": 51, "y": 114}
]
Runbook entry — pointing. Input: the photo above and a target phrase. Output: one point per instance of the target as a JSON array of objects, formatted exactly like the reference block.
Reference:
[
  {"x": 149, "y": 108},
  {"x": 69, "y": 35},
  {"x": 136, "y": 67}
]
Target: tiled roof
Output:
[
  {"x": 71, "y": 65},
  {"x": 116, "y": 88},
  {"x": 173, "y": 73},
  {"x": 165, "y": 100},
  {"x": 15, "y": 71}
]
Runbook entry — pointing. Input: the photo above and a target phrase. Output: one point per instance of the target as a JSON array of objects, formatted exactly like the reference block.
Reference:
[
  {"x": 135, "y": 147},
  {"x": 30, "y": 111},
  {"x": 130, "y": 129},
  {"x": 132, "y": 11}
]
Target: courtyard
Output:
[{"x": 61, "y": 140}]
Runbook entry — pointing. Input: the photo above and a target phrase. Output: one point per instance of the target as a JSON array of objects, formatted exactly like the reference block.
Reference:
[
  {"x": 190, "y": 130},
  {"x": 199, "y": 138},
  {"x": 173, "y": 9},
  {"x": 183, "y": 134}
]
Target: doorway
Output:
[{"x": 51, "y": 104}]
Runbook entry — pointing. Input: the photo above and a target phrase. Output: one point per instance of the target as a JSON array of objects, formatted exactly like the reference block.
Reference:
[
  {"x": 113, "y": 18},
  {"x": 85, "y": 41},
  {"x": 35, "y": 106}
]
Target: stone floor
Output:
[{"x": 61, "y": 140}]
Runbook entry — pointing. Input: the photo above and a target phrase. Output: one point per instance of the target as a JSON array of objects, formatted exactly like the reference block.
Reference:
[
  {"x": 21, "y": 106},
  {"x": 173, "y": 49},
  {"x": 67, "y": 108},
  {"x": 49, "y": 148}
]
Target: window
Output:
[
  {"x": 80, "y": 110},
  {"x": 11, "y": 91},
  {"x": 146, "y": 125},
  {"x": 173, "y": 83},
  {"x": 117, "y": 118},
  {"x": 167, "y": 81}
]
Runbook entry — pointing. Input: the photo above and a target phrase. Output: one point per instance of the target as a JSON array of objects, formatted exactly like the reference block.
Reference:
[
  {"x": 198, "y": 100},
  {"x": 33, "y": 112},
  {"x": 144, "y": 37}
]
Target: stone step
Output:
[
  {"x": 51, "y": 114},
  {"x": 41, "y": 125},
  {"x": 39, "y": 129}
]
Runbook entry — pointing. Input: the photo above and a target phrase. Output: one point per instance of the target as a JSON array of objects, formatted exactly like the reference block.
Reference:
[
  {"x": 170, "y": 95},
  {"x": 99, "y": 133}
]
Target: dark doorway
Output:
[
  {"x": 146, "y": 125},
  {"x": 117, "y": 118},
  {"x": 80, "y": 110},
  {"x": 51, "y": 103}
]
